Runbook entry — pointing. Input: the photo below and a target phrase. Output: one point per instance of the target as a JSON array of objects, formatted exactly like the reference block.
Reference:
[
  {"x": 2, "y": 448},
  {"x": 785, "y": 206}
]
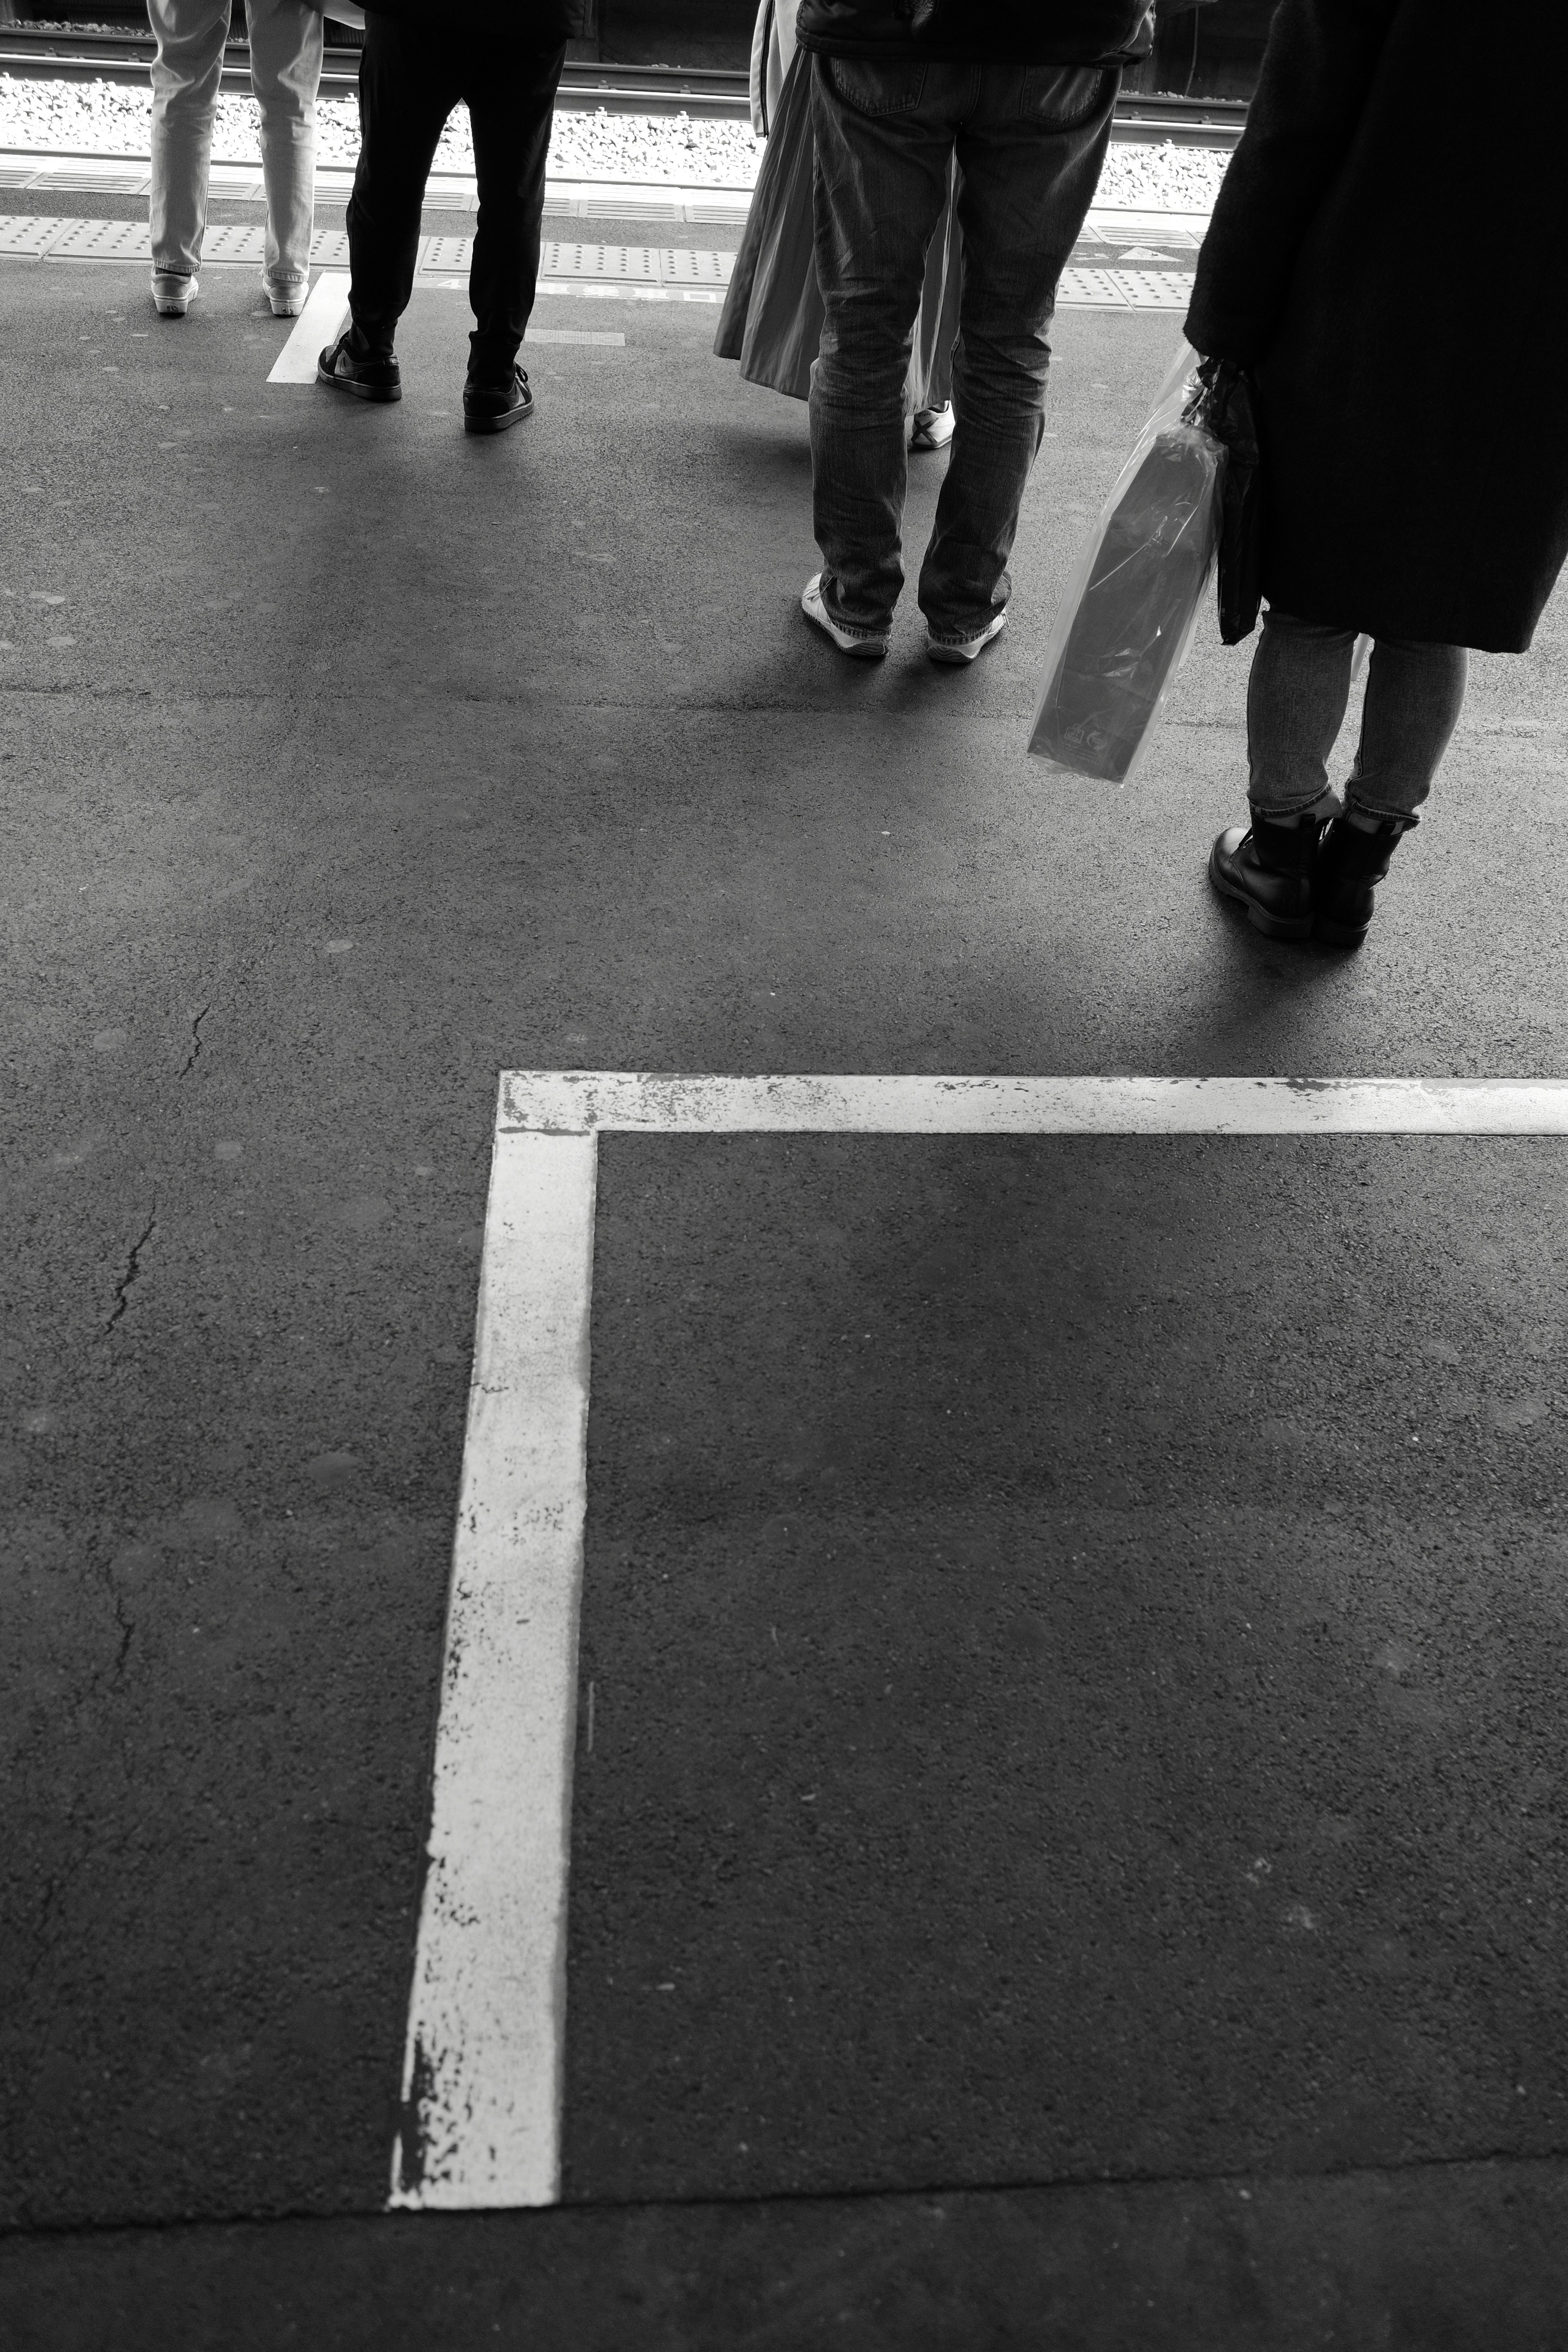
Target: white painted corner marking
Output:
[{"x": 485, "y": 2046}]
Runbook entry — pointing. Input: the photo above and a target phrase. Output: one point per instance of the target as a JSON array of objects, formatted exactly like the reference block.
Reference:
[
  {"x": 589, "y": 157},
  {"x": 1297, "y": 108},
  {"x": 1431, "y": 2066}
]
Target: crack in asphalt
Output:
[
  {"x": 194, "y": 1054},
  {"x": 126, "y": 1624},
  {"x": 133, "y": 1268}
]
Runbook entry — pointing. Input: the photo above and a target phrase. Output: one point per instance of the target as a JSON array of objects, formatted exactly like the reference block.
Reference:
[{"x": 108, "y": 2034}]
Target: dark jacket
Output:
[
  {"x": 545, "y": 23},
  {"x": 1384, "y": 250},
  {"x": 999, "y": 32}
]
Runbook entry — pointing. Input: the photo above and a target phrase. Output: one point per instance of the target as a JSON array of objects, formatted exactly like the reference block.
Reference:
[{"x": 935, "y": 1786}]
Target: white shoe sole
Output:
[
  {"x": 858, "y": 648},
  {"x": 934, "y": 436},
  {"x": 957, "y": 655}
]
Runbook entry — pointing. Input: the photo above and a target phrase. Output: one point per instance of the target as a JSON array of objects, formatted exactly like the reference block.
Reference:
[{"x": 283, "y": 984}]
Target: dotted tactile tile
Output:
[
  {"x": 100, "y": 240},
  {"x": 234, "y": 242},
  {"x": 330, "y": 247},
  {"x": 443, "y": 254},
  {"x": 677, "y": 268},
  {"x": 28, "y": 233}
]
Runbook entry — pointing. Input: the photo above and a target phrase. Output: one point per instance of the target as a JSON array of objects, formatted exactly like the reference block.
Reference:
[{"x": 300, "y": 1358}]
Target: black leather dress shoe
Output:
[
  {"x": 492, "y": 408},
  {"x": 1268, "y": 867},
  {"x": 367, "y": 379},
  {"x": 1350, "y": 864}
]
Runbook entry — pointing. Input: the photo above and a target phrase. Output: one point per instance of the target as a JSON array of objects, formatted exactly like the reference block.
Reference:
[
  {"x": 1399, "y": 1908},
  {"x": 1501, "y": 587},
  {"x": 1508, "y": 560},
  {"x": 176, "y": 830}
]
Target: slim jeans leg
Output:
[
  {"x": 286, "y": 39},
  {"x": 884, "y": 151},
  {"x": 1413, "y": 696},
  {"x": 404, "y": 97},
  {"x": 511, "y": 100},
  {"x": 186, "y": 69},
  {"x": 1296, "y": 693},
  {"x": 1029, "y": 158}
]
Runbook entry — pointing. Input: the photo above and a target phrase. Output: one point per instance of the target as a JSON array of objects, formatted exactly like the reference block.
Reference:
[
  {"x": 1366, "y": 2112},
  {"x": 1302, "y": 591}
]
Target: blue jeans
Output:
[
  {"x": 1029, "y": 141},
  {"x": 1296, "y": 699}
]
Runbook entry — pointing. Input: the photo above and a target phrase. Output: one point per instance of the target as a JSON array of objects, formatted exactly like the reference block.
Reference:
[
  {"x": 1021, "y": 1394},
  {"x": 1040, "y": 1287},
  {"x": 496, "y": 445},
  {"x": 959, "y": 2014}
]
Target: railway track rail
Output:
[{"x": 620, "y": 90}]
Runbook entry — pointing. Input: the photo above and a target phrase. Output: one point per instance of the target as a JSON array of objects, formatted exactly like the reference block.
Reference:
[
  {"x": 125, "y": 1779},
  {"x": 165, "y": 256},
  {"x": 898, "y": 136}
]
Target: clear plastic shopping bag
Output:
[{"x": 1128, "y": 612}]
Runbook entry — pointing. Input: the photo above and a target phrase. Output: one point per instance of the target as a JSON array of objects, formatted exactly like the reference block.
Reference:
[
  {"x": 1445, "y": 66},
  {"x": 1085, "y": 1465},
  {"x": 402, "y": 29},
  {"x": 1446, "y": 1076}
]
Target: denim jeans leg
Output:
[
  {"x": 1296, "y": 693},
  {"x": 1029, "y": 157},
  {"x": 404, "y": 97},
  {"x": 1413, "y": 696},
  {"x": 512, "y": 99},
  {"x": 185, "y": 71},
  {"x": 884, "y": 144},
  {"x": 286, "y": 39}
]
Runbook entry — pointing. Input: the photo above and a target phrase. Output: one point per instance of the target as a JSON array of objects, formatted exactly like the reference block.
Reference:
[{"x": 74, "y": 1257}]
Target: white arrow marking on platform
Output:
[
  {"x": 484, "y": 2053},
  {"x": 321, "y": 322}
]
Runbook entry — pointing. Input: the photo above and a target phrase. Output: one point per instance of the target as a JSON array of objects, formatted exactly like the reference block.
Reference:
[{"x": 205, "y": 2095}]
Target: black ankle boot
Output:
[
  {"x": 1350, "y": 864},
  {"x": 1269, "y": 868}
]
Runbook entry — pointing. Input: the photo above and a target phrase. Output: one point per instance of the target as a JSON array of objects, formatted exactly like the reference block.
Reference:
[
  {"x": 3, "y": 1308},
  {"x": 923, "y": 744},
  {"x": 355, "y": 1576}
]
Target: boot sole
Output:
[
  {"x": 1339, "y": 935},
  {"x": 1273, "y": 927}
]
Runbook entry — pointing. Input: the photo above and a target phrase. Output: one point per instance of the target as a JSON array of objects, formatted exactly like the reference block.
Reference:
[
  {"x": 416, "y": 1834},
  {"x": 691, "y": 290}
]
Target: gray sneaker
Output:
[
  {"x": 287, "y": 295},
  {"x": 172, "y": 294}
]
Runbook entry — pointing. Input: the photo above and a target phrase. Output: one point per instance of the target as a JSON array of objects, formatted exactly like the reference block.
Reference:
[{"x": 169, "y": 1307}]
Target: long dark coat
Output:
[{"x": 1387, "y": 249}]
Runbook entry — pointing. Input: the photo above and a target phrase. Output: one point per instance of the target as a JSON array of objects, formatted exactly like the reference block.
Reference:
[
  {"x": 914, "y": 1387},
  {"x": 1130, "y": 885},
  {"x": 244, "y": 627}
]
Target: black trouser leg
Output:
[
  {"x": 512, "y": 99},
  {"x": 406, "y": 91}
]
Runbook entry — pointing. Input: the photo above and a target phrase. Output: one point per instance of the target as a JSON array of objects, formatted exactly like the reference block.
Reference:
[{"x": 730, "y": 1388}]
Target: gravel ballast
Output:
[{"x": 109, "y": 118}]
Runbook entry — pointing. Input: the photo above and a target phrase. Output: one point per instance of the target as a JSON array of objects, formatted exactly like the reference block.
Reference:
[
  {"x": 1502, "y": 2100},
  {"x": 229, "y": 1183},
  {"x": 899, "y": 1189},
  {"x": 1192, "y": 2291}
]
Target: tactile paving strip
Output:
[
  {"x": 1125, "y": 289},
  {"x": 652, "y": 272},
  {"x": 560, "y": 260}
]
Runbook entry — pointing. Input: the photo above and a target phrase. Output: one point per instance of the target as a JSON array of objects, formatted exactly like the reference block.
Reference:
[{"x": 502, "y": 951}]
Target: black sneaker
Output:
[
  {"x": 491, "y": 408},
  {"x": 367, "y": 379}
]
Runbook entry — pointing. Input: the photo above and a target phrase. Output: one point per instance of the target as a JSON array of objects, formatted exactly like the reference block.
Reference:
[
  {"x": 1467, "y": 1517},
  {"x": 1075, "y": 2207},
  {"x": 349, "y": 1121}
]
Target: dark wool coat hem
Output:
[{"x": 1377, "y": 254}]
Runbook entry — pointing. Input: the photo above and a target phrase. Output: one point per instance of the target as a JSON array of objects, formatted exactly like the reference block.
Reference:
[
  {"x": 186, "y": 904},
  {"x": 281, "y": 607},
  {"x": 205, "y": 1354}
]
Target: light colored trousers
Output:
[{"x": 285, "y": 69}]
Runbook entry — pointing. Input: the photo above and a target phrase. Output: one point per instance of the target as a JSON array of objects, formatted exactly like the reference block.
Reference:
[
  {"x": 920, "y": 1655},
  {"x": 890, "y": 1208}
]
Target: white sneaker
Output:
[
  {"x": 172, "y": 296},
  {"x": 288, "y": 298},
  {"x": 864, "y": 644},
  {"x": 932, "y": 428},
  {"x": 963, "y": 649}
]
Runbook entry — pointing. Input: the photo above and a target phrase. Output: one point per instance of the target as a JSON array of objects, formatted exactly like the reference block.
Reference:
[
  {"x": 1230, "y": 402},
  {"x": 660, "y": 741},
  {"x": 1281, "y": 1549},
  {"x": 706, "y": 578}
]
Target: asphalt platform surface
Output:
[{"x": 1072, "y": 1853}]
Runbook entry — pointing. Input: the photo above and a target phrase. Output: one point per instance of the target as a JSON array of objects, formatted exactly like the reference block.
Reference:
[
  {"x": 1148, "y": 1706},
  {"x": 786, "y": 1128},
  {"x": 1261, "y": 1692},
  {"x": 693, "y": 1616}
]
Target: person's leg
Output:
[
  {"x": 884, "y": 144},
  {"x": 1413, "y": 696},
  {"x": 186, "y": 66},
  {"x": 1029, "y": 156},
  {"x": 406, "y": 91},
  {"x": 510, "y": 91},
  {"x": 1296, "y": 696},
  {"x": 1296, "y": 693},
  {"x": 285, "y": 69}
]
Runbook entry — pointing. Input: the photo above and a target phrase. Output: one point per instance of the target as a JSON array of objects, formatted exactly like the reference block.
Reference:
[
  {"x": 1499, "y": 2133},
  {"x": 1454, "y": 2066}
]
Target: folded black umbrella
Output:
[{"x": 1223, "y": 407}]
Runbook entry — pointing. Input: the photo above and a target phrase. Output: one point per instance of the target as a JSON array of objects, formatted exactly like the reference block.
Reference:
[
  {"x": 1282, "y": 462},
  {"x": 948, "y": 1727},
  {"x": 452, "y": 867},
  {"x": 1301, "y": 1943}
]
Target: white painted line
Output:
[
  {"x": 319, "y": 324},
  {"x": 578, "y": 1102},
  {"x": 482, "y": 2065}
]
